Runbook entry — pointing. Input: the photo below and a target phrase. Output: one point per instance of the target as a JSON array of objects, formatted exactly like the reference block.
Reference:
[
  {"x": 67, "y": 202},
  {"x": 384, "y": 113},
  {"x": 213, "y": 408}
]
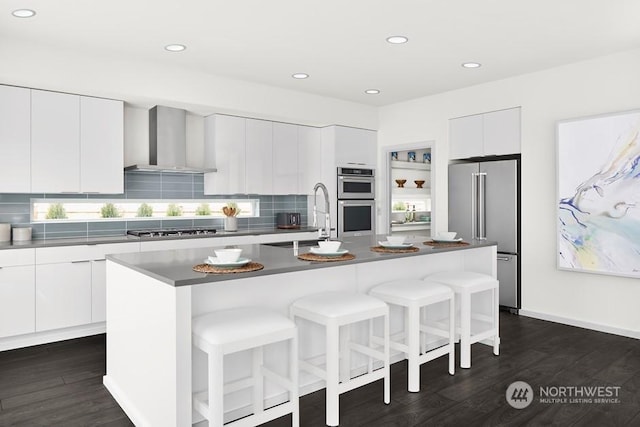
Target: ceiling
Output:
[{"x": 339, "y": 43}]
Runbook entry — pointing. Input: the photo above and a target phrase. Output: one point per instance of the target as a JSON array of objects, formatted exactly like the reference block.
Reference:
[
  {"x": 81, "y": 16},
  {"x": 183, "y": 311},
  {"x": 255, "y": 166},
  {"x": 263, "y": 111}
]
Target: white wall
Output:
[{"x": 607, "y": 84}]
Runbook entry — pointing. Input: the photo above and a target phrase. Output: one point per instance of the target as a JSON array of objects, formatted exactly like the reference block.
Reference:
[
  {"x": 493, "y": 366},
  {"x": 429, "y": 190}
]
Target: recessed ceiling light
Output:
[
  {"x": 23, "y": 13},
  {"x": 175, "y": 47},
  {"x": 397, "y": 39},
  {"x": 471, "y": 65},
  {"x": 372, "y": 91},
  {"x": 300, "y": 75}
]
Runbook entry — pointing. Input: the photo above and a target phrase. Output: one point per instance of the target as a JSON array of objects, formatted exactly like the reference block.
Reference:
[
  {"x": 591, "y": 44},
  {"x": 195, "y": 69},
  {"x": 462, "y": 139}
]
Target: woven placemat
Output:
[
  {"x": 444, "y": 244},
  {"x": 308, "y": 256},
  {"x": 207, "y": 268},
  {"x": 384, "y": 250}
]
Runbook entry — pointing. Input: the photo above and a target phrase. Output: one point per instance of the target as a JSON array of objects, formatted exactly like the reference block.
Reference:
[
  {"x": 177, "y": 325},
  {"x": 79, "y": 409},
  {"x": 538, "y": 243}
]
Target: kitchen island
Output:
[{"x": 152, "y": 297}]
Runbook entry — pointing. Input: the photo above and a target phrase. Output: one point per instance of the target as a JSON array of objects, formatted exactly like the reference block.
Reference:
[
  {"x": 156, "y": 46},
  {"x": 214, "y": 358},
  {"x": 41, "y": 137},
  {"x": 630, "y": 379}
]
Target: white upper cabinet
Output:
[
  {"x": 225, "y": 150},
  {"x": 55, "y": 142},
  {"x": 263, "y": 157},
  {"x": 465, "y": 137},
  {"x": 285, "y": 158},
  {"x": 102, "y": 148},
  {"x": 309, "y": 158},
  {"x": 355, "y": 147},
  {"x": 15, "y": 140},
  {"x": 488, "y": 134},
  {"x": 259, "y": 157},
  {"x": 502, "y": 132}
]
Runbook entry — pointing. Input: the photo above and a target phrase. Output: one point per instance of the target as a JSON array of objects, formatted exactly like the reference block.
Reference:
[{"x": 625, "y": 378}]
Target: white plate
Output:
[
  {"x": 217, "y": 263},
  {"x": 386, "y": 244},
  {"x": 317, "y": 251},
  {"x": 459, "y": 239}
]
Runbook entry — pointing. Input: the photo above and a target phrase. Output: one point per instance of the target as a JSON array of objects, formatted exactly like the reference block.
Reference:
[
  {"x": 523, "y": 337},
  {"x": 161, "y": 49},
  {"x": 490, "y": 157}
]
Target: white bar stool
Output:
[
  {"x": 229, "y": 331},
  {"x": 334, "y": 310},
  {"x": 416, "y": 297},
  {"x": 476, "y": 326}
]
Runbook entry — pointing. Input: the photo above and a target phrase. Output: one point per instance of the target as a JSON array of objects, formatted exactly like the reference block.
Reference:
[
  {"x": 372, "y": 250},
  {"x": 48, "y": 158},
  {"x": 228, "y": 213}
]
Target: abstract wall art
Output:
[{"x": 598, "y": 176}]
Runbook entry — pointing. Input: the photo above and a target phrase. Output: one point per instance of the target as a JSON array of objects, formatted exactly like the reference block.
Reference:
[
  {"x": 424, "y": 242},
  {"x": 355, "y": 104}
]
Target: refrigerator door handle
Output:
[
  {"x": 474, "y": 204},
  {"x": 482, "y": 225}
]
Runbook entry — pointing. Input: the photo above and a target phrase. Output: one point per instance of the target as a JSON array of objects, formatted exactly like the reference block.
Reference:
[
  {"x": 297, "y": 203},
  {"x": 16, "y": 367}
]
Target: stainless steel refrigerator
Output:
[{"x": 484, "y": 203}]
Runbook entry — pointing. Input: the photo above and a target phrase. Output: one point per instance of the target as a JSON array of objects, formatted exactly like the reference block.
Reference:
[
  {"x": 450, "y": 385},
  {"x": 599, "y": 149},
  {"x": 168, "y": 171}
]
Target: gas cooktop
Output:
[{"x": 165, "y": 232}]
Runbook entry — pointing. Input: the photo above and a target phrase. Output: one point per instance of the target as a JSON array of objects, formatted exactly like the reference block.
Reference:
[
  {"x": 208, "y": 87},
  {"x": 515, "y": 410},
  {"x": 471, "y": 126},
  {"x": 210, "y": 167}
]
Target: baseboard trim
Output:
[
  {"x": 54, "y": 335},
  {"x": 581, "y": 324}
]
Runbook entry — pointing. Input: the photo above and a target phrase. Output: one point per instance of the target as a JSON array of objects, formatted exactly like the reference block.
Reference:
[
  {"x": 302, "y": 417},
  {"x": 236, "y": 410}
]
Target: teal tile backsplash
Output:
[{"x": 16, "y": 208}]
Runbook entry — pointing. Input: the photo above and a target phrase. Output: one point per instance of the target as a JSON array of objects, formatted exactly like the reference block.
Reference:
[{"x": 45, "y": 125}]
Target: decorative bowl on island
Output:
[
  {"x": 228, "y": 255},
  {"x": 396, "y": 240},
  {"x": 329, "y": 245},
  {"x": 446, "y": 235}
]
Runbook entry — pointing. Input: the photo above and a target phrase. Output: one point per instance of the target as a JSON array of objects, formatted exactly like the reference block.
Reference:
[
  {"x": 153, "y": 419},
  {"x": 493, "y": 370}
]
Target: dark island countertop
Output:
[{"x": 175, "y": 267}]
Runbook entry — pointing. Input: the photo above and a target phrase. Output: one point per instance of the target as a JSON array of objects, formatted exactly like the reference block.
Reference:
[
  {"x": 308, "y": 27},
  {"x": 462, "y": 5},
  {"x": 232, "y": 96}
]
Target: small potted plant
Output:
[
  {"x": 56, "y": 211},
  {"x": 109, "y": 210},
  {"x": 231, "y": 212},
  {"x": 174, "y": 210},
  {"x": 203, "y": 209},
  {"x": 144, "y": 211}
]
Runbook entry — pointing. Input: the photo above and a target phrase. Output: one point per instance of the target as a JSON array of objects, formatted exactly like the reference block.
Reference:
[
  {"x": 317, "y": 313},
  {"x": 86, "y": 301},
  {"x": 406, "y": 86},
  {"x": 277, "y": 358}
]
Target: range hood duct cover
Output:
[{"x": 168, "y": 142}]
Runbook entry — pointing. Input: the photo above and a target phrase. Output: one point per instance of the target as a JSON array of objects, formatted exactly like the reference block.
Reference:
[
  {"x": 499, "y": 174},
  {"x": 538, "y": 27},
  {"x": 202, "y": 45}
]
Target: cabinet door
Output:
[
  {"x": 309, "y": 158},
  {"x": 502, "y": 132},
  {"x": 99, "y": 275},
  {"x": 225, "y": 150},
  {"x": 55, "y": 142},
  {"x": 15, "y": 140},
  {"x": 17, "y": 300},
  {"x": 465, "y": 137},
  {"x": 98, "y": 290},
  {"x": 285, "y": 158},
  {"x": 355, "y": 147},
  {"x": 63, "y": 295},
  {"x": 101, "y": 146},
  {"x": 259, "y": 157}
]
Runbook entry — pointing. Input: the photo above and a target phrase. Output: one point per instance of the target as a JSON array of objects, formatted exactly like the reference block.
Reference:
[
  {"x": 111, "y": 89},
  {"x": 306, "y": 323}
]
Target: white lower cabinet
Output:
[
  {"x": 53, "y": 288},
  {"x": 17, "y": 292},
  {"x": 17, "y": 300},
  {"x": 63, "y": 295},
  {"x": 99, "y": 290},
  {"x": 99, "y": 276}
]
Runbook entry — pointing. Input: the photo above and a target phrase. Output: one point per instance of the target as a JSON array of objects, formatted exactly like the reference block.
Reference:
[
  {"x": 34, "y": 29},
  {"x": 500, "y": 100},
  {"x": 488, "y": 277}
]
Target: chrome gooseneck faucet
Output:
[{"x": 326, "y": 232}]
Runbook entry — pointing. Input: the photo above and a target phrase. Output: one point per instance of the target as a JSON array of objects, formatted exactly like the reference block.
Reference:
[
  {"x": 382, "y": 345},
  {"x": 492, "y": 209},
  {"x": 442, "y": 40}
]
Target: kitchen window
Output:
[{"x": 88, "y": 210}]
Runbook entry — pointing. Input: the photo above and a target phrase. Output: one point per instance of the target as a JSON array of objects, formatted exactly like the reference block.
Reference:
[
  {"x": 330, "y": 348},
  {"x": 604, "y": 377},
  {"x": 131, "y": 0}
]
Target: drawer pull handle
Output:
[{"x": 80, "y": 262}]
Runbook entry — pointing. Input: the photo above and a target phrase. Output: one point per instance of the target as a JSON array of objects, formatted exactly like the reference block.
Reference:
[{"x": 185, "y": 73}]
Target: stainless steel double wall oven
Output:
[{"x": 356, "y": 202}]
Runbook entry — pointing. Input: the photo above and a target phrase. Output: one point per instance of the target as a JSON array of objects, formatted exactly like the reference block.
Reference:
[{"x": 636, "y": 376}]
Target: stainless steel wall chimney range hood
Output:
[{"x": 168, "y": 142}]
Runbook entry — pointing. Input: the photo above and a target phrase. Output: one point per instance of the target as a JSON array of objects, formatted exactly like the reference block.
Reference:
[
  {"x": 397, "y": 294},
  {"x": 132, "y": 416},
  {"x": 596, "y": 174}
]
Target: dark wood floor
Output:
[{"x": 60, "y": 384}]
